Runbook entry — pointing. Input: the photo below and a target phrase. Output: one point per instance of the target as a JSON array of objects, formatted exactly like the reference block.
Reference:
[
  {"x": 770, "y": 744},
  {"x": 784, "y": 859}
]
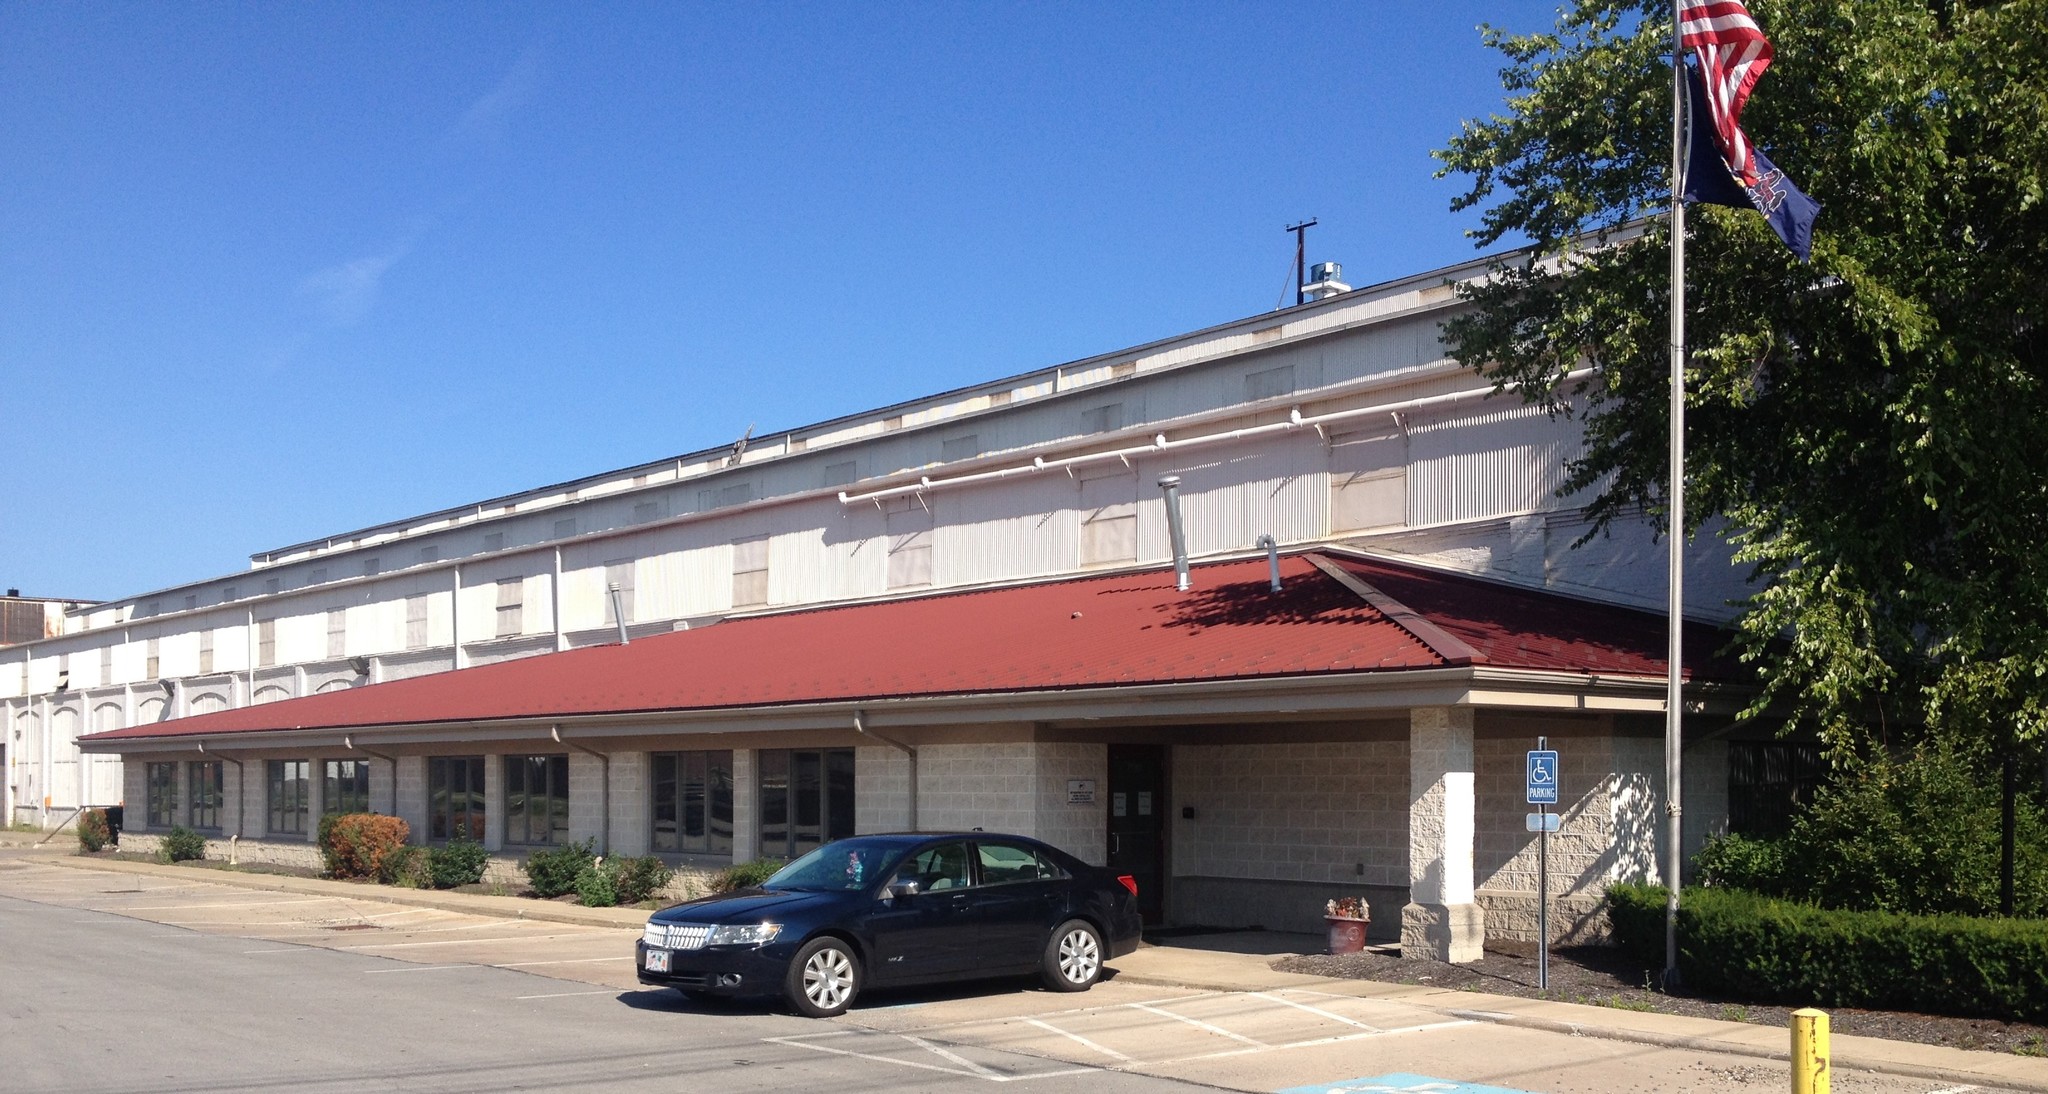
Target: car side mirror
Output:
[{"x": 899, "y": 888}]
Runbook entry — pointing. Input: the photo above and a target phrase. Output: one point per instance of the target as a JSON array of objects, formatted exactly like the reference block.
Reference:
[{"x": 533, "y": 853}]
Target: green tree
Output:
[{"x": 1870, "y": 425}]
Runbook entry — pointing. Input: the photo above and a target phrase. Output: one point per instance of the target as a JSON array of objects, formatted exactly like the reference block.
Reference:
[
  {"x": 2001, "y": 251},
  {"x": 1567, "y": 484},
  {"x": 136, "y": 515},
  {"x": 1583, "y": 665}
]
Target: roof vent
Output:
[{"x": 1325, "y": 279}]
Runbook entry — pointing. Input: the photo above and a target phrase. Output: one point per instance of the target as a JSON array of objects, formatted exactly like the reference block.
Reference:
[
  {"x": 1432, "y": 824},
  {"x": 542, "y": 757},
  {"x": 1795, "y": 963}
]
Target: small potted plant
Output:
[{"x": 1347, "y": 917}]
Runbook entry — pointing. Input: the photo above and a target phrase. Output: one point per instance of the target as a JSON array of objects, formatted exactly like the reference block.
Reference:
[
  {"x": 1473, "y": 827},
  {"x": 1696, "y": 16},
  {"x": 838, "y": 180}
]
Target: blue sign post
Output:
[{"x": 1542, "y": 787}]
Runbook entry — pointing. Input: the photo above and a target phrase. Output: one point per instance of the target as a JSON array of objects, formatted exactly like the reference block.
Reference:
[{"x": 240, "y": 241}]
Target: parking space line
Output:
[
  {"x": 568, "y": 994},
  {"x": 422, "y": 968},
  {"x": 228, "y": 904},
  {"x": 1201, "y": 1025},
  {"x": 458, "y": 942},
  {"x": 570, "y": 961},
  {"x": 1317, "y": 1011},
  {"x": 1078, "y": 1039},
  {"x": 795, "y": 1042},
  {"x": 920, "y": 1042},
  {"x": 1311, "y": 1043}
]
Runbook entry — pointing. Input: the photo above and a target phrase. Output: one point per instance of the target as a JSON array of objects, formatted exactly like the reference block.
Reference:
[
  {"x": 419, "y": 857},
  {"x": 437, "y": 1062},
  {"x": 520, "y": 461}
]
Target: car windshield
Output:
[{"x": 850, "y": 864}]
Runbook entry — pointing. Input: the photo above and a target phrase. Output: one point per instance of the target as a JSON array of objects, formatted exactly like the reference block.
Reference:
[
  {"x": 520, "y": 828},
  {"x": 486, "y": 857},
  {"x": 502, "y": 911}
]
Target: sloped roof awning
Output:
[{"x": 1340, "y": 619}]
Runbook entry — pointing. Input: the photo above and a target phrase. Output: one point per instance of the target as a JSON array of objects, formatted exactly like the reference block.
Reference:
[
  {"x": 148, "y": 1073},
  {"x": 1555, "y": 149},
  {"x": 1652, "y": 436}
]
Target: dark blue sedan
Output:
[{"x": 897, "y": 909}]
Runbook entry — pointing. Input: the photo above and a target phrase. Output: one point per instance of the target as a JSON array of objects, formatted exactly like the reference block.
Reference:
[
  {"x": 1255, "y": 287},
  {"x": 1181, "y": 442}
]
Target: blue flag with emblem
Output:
[{"x": 1707, "y": 179}]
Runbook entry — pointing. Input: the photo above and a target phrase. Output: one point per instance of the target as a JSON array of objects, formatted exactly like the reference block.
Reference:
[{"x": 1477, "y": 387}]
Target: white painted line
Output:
[
  {"x": 287, "y": 949},
  {"x": 422, "y": 968},
  {"x": 573, "y": 961},
  {"x": 794, "y": 1042},
  {"x": 569, "y": 994},
  {"x": 455, "y": 942},
  {"x": 1078, "y": 1039},
  {"x": 920, "y": 1042},
  {"x": 1317, "y": 1011},
  {"x": 1201, "y": 1025},
  {"x": 229, "y": 904},
  {"x": 1302, "y": 1044},
  {"x": 805, "y": 1041}
]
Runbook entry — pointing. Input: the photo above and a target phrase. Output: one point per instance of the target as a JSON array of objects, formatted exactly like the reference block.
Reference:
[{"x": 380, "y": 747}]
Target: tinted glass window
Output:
[
  {"x": 847, "y": 865},
  {"x": 937, "y": 869},
  {"x": 1002, "y": 863}
]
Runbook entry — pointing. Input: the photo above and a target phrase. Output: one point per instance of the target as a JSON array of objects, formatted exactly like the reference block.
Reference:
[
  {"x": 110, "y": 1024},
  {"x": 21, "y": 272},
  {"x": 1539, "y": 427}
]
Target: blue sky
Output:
[{"x": 271, "y": 271}]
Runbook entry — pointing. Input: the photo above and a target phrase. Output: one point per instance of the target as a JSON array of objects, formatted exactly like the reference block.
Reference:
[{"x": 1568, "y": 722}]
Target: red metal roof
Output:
[{"x": 1121, "y": 629}]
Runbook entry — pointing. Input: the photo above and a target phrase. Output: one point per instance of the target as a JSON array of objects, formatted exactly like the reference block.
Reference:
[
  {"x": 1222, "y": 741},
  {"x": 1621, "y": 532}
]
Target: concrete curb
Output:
[
  {"x": 504, "y": 907},
  {"x": 1203, "y": 970}
]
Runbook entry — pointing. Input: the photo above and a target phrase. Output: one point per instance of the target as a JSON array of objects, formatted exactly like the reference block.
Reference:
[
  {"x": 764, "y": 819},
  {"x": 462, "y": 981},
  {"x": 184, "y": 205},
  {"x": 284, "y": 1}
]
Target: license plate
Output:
[{"x": 657, "y": 960}]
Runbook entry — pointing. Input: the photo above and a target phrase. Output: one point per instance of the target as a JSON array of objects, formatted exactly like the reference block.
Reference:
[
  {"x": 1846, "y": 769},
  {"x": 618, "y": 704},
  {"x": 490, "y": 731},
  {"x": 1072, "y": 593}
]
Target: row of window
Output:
[{"x": 806, "y": 798}]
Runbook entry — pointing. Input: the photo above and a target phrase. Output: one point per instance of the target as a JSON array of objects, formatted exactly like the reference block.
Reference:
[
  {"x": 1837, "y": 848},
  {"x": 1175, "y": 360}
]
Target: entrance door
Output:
[{"x": 1137, "y": 822}]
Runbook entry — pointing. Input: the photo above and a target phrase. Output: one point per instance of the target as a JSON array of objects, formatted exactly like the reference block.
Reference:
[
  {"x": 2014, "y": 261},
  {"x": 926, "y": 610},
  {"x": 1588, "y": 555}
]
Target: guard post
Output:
[{"x": 1809, "y": 1051}]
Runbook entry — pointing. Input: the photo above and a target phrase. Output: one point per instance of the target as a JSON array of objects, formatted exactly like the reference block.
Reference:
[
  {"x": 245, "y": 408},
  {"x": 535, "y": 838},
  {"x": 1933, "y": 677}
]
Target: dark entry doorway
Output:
[{"x": 1137, "y": 822}]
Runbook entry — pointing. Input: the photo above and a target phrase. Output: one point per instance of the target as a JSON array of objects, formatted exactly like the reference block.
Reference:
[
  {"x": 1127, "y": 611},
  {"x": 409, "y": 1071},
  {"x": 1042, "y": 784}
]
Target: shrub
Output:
[
  {"x": 594, "y": 887},
  {"x": 94, "y": 832},
  {"x": 356, "y": 844},
  {"x": 1758, "y": 948},
  {"x": 182, "y": 844},
  {"x": 745, "y": 875},
  {"x": 406, "y": 867},
  {"x": 553, "y": 872},
  {"x": 638, "y": 879},
  {"x": 1741, "y": 862},
  {"x": 461, "y": 862}
]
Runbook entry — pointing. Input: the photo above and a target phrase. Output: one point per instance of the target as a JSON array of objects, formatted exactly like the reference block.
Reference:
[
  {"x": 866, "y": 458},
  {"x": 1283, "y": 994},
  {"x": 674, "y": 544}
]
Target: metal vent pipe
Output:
[
  {"x": 1176, "y": 530},
  {"x": 1272, "y": 547}
]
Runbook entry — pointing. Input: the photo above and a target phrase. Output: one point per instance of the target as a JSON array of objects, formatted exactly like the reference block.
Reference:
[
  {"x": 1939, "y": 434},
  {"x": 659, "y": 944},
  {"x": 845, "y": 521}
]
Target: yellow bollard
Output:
[{"x": 1809, "y": 1051}]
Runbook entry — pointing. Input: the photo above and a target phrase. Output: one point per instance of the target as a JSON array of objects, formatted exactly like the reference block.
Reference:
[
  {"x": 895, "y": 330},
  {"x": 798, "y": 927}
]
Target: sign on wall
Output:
[{"x": 1080, "y": 791}]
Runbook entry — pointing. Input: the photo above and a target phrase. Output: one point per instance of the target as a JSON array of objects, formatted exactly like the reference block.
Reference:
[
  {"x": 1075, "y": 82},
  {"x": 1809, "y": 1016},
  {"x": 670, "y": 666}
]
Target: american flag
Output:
[{"x": 1733, "y": 52}]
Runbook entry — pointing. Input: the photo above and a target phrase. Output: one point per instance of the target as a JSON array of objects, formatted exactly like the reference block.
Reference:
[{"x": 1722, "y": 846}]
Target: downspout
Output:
[
  {"x": 604, "y": 786},
  {"x": 241, "y": 799},
  {"x": 348, "y": 741},
  {"x": 1272, "y": 547},
  {"x": 860, "y": 725},
  {"x": 1176, "y": 531},
  {"x": 618, "y": 614}
]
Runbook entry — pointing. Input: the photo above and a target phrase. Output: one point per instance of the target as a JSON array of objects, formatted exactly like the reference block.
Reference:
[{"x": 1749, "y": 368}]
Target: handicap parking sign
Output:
[{"x": 1543, "y": 777}]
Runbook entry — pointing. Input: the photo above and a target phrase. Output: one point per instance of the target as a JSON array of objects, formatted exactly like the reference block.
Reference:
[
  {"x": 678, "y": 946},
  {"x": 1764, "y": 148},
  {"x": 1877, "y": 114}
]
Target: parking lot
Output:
[{"x": 574, "y": 978}]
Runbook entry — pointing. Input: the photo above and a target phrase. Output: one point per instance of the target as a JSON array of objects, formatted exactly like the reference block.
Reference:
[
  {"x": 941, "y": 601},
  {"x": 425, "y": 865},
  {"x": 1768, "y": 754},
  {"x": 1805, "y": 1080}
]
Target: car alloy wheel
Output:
[
  {"x": 823, "y": 978},
  {"x": 1073, "y": 960}
]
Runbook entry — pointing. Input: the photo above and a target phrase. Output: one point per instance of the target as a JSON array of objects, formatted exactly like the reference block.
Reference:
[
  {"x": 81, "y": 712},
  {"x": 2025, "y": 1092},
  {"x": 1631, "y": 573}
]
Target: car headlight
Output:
[{"x": 743, "y": 934}]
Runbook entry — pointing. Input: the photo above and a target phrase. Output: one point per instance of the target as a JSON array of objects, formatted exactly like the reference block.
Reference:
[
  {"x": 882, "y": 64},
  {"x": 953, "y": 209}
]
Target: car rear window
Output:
[{"x": 1002, "y": 863}]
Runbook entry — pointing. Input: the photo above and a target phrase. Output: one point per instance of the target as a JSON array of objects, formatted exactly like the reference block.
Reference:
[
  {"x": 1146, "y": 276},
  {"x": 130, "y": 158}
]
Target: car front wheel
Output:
[
  {"x": 1073, "y": 957},
  {"x": 822, "y": 979}
]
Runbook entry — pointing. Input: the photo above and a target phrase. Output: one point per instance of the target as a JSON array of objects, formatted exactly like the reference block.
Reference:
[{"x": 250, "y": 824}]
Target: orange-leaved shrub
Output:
[{"x": 356, "y": 844}]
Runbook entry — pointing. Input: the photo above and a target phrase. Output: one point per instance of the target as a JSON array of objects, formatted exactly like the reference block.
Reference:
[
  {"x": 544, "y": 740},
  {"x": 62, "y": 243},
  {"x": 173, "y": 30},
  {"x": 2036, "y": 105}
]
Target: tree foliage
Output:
[{"x": 1869, "y": 425}]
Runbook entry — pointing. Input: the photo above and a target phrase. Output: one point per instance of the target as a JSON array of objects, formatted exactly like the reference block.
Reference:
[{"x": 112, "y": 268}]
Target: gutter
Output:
[
  {"x": 860, "y": 726},
  {"x": 348, "y": 741},
  {"x": 604, "y": 786}
]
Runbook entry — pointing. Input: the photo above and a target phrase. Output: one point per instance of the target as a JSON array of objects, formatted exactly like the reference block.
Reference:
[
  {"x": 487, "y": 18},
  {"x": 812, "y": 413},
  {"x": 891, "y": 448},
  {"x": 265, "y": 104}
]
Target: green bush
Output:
[
  {"x": 594, "y": 888},
  {"x": 405, "y": 867},
  {"x": 461, "y": 862},
  {"x": 638, "y": 879},
  {"x": 1758, "y": 948},
  {"x": 181, "y": 844},
  {"x": 745, "y": 875},
  {"x": 94, "y": 833},
  {"x": 355, "y": 845},
  {"x": 1741, "y": 862},
  {"x": 553, "y": 872}
]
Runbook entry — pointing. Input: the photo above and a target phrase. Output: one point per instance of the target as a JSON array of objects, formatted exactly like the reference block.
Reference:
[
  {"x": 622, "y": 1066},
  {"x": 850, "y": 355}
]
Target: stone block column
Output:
[
  {"x": 1440, "y": 921},
  {"x": 746, "y": 798}
]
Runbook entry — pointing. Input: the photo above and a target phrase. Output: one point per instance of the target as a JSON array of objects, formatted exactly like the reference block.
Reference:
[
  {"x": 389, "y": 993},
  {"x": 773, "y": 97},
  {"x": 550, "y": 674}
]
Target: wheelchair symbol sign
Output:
[{"x": 1542, "y": 778}]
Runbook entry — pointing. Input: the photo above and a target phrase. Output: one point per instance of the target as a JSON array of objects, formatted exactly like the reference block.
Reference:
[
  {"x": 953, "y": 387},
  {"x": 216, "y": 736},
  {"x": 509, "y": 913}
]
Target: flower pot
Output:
[{"x": 1346, "y": 935}]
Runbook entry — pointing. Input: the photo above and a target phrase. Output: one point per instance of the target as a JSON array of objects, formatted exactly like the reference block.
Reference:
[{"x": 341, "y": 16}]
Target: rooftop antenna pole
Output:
[{"x": 1300, "y": 254}]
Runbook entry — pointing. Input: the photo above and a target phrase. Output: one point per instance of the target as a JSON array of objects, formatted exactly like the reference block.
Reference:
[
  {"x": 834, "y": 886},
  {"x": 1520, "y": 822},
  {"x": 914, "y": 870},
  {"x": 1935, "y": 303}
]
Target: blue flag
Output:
[{"x": 1709, "y": 182}]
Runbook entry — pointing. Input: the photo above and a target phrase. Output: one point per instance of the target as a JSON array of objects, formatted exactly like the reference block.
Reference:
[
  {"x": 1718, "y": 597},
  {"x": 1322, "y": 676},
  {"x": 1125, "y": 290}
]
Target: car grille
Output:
[{"x": 676, "y": 936}]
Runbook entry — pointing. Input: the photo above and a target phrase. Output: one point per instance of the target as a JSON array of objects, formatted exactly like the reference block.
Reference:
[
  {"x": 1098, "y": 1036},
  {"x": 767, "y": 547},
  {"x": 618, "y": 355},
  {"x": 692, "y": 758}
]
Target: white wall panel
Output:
[{"x": 1508, "y": 460}]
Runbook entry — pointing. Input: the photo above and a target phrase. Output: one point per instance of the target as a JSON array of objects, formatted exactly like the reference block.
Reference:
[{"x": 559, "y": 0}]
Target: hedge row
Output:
[{"x": 1767, "y": 950}]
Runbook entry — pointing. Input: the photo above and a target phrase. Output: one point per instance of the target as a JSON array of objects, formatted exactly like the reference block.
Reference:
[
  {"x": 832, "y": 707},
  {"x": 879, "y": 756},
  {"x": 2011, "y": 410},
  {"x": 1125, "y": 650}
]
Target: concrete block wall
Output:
[
  {"x": 1080, "y": 830},
  {"x": 1293, "y": 812},
  {"x": 632, "y": 804},
  {"x": 586, "y": 798},
  {"x": 410, "y": 795},
  {"x": 992, "y": 786},
  {"x": 881, "y": 789},
  {"x": 1706, "y": 796}
]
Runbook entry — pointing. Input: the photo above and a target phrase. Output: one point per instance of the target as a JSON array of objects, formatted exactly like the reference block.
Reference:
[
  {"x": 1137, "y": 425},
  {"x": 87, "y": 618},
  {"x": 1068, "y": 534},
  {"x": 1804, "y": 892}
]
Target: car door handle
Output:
[{"x": 1116, "y": 844}]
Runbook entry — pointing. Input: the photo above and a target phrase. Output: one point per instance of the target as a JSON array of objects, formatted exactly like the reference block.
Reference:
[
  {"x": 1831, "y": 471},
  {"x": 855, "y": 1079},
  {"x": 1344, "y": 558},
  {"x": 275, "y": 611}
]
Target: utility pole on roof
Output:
[{"x": 1300, "y": 254}]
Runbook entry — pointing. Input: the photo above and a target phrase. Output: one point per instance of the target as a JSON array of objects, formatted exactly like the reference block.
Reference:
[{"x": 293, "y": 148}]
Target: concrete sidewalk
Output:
[{"x": 1242, "y": 962}]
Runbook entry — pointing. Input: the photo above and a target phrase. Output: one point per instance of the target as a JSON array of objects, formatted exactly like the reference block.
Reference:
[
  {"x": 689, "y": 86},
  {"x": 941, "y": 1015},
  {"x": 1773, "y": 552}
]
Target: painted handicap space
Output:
[{"x": 1399, "y": 1083}]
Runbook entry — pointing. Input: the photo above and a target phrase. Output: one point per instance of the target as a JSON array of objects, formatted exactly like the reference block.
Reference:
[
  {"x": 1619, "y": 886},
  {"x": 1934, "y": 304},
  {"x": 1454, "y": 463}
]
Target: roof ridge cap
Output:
[{"x": 1452, "y": 649}]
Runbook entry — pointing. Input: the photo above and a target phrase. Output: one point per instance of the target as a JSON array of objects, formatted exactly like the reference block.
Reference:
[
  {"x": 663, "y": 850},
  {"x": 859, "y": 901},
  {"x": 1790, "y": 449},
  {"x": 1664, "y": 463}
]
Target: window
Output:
[
  {"x": 806, "y": 799},
  {"x": 910, "y": 544},
  {"x": 106, "y": 665},
  {"x": 191, "y": 602},
  {"x": 416, "y": 622},
  {"x": 1103, "y": 419},
  {"x": 162, "y": 780},
  {"x": 229, "y": 592},
  {"x": 618, "y": 574},
  {"x": 429, "y": 554},
  {"x": 270, "y": 585},
  {"x": 347, "y": 787},
  {"x": 203, "y": 778},
  {"x": 1368, "y": 482},
  {"x": 1002, "y": 863},
  {"x": 960, "y": 448},
  {"x": 337, "y": 633},
  {"x": 1768, "y": 783},
  {"x": 318, "y": 576},
  {"x": 511, "y": 602},
  {"x": 693, "y": 802},
  {"x": 266, "y": 642},
  {"x": 536, "y": 800},
  {"x": 494, "y": 541},
  {"x": 205, "y": 650},
  {"x": 151, "y": 661},
  {"x": 455, "y": 797},
  {"x": 839, "y": 474},
  {"x": 1269, "y": 382},
  {"x": 937, "y": 869},
  {"x": 1109, "y": 518},
  {"x": 644, "y": 511},
  {"x": 290, "y": 783},
  {"x": 371, "y": 565},
  {"x": 565, "y": 527},
  {"x": 750, "y": 572}
]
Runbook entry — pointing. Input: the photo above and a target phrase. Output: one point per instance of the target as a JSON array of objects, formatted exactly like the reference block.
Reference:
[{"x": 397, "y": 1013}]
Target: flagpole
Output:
[{"x": 1675, "y": 498}]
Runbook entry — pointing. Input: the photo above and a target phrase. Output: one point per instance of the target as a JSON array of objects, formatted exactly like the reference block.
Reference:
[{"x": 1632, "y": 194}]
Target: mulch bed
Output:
[{"x": 1605, "y": 976}]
